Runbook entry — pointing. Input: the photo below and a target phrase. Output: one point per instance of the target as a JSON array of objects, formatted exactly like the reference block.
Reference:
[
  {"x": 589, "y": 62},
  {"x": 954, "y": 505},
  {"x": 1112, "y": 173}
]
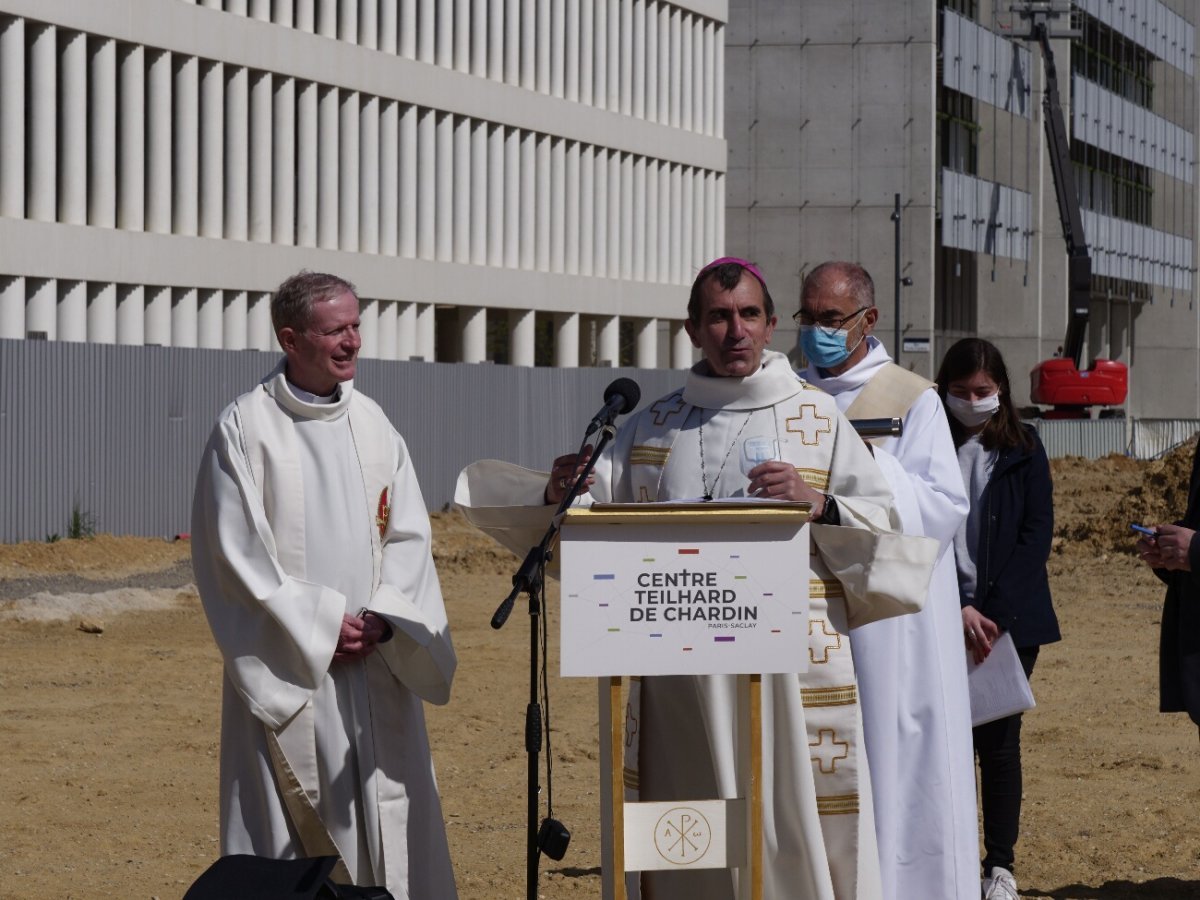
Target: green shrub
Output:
[{"x": 82, "y": 523}]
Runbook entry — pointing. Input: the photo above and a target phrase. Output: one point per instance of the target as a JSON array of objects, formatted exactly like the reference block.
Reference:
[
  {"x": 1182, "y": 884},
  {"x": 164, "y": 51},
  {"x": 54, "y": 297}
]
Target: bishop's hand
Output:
[
  {"x": 780, "y": 481},
  {"x": 563, "y": 474}
]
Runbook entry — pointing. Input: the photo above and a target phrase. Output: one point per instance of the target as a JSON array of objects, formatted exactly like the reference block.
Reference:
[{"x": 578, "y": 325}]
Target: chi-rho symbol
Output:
[{"x": 682, "y": 835}]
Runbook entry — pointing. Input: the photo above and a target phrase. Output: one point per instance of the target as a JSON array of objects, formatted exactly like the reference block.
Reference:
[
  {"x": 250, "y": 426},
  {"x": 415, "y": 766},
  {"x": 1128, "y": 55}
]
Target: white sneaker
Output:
[{"x": 1000, "y": 885}]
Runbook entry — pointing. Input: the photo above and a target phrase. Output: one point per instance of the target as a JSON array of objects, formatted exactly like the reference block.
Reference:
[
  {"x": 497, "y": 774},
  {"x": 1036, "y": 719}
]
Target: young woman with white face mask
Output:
[{"x": 1001, "y": 551}]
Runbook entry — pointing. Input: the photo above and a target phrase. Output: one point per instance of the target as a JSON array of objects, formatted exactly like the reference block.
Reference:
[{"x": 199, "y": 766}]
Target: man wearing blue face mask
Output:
[{"x": 910, "y": 670}]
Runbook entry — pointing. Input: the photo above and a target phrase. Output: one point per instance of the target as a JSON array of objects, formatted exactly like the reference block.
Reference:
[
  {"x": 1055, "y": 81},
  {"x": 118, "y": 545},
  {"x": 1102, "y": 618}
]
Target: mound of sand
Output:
[
  {"x": 1095, "y": 500},
  {"x": 103, "y": 557}
]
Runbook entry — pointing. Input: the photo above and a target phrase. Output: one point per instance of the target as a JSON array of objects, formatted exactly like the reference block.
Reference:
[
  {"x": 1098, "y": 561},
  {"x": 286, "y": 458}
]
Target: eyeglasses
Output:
[{"x": 828, "y": 324}]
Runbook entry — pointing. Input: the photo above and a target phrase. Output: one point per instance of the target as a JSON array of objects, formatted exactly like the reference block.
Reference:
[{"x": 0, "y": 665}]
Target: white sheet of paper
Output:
[{"x": 998, "y": 685}]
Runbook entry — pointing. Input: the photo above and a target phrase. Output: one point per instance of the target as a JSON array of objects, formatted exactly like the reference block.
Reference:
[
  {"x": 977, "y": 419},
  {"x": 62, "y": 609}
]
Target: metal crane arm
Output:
[{"x": 1079, "y": 264}]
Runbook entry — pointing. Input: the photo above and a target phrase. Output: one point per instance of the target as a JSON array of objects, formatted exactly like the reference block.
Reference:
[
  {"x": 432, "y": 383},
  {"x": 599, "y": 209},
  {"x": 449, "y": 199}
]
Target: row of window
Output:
[
  {"x": 644, "y": 58},
  {"x": 1150, "y": 24},
  {"x": 119, "y": 135},
  {"x": 158, "y": 315},
  {"x": 1111, "y": 185},
  {"x": 1107, "y": 58},
  {"x": 1111, "y": 123},
  {"x": 1130, "y": 252}
]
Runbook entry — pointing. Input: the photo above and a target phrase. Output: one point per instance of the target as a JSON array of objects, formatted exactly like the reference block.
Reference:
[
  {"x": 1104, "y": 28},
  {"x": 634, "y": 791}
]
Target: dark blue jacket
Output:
[
  {"x": 1179, "y": 648},
  {"x": 1015, "y": 528}
]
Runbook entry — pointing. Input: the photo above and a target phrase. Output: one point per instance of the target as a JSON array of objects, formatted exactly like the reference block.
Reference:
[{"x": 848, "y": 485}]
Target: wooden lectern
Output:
[{"x": 705, "y": 588}]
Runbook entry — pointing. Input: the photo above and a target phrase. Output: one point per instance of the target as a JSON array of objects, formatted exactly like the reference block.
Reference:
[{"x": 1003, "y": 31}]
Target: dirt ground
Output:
[{"x": 109, "y": 712}]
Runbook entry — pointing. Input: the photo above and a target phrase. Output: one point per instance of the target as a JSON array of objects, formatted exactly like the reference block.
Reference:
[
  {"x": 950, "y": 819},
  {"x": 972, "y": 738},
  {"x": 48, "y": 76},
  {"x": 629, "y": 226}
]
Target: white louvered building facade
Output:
[{"x": 499, "y": 178}]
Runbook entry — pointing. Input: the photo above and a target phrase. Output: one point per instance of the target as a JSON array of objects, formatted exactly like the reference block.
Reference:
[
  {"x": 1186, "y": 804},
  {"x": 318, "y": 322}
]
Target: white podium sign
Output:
[{"x": 684, "y": 594}]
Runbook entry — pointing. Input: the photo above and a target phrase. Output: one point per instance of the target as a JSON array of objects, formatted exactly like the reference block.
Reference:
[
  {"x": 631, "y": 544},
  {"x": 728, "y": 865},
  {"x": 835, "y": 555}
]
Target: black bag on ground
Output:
[{"x": 244, "y": 877}]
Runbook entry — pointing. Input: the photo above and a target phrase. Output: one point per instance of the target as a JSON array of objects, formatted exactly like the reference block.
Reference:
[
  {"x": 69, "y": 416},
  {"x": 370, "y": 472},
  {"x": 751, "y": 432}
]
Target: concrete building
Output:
[
  {"x": 835, "y": 108},
  {"x": 510, "y": 180}
]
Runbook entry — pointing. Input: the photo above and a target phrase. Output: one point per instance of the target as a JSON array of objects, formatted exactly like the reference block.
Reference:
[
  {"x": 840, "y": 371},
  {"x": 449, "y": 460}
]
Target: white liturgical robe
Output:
[
  {"x": 819, "y": 841},
  {"x": 912, "y": 671},
  {"x": 305, "y": 512}
]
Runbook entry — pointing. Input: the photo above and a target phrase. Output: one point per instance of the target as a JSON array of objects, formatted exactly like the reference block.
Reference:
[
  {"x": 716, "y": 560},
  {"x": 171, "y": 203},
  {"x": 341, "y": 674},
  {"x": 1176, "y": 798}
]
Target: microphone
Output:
[{"x": 619, "y": 397}]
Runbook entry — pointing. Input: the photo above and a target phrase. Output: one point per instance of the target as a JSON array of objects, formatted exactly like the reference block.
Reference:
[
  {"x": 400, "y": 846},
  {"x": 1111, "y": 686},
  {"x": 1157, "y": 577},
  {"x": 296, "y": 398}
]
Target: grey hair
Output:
[
  {"x": 293, "y": 301},
  {"x": 855, "y": 277}
]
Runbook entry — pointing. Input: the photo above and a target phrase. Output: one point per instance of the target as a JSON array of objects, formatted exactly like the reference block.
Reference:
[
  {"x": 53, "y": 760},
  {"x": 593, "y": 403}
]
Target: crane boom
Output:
[
  {"x": 1079, "y": 264},
  {"x": 1059, "y": 382}
]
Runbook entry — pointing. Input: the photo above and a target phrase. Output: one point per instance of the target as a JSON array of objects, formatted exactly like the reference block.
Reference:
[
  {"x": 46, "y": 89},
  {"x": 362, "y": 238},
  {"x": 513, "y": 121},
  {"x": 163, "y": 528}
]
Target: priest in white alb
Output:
[
  {"x": 745, "y": 424},
  {"x": 912, "y": 671},
  {"x": 311, "y": 547}
]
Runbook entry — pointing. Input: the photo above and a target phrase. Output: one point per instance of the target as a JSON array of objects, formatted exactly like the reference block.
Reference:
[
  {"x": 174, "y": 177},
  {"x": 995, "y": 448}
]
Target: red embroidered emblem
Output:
[{"x": 383, "y": 512}]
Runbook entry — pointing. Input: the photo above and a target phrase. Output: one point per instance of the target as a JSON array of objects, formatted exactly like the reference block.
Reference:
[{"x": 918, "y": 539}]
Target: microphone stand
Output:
[{"x": 530, "y": 578}]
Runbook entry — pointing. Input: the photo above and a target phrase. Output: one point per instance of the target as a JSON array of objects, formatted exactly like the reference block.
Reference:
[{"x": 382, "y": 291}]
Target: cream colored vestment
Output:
[
  {"x": 912, "y": 671},
  {"x": 819, "y": 836},
  {"x": 304, "y": 512}
]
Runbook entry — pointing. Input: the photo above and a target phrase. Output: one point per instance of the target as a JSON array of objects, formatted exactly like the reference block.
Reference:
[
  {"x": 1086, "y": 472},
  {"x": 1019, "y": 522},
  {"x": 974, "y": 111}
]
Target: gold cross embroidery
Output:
[
  {"x": 667, "y": 407},
  {"x": 826, "y": 645},
  {"x": 809, "y": 421},
  {"x": 826, "y": 756}
]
